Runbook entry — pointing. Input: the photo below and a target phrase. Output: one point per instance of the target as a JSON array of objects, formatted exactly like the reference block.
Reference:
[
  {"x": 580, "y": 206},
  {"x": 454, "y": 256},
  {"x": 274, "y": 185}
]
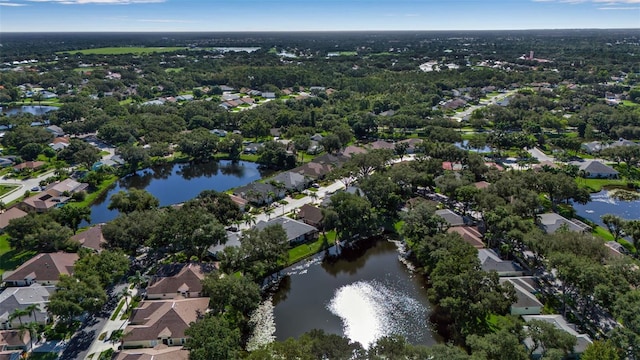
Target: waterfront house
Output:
[
  {"x": 164, "y": 322},
  {"x": 551, "y": 222},
  {"x": 310, "y": 215},
  {"x": 259, "y": 193},
  {"x": 583, "y": 341},
  {"x": 92, "y": 238},
  {"x": 527, "y": 303},
  {"x": 44, "y": 269},
  {"x": 297, "y": 231},
  {"x": 490, "y": 261},
  {"x": 291, "y": 181},
  {"x": 469, "y": 234},
  {"x": 185, "y": 284},
  {"x": 160, "y": 352},
  {"x": 594, "y": 169},
  {"x": 450, "y": 217}
]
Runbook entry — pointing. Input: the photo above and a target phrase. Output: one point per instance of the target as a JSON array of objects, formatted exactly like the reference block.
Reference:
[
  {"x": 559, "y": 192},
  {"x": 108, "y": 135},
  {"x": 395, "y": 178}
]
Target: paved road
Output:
[
  {"x": 538, "y": 154},
  {"x": 82, "y": 341},
  {"x": 491, "y": 101},
  {"x": 23, "y": 185}
]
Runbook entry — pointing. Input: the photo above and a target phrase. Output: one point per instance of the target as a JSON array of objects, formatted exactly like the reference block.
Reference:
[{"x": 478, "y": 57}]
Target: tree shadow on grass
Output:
[{"x": 14, "y": 258}]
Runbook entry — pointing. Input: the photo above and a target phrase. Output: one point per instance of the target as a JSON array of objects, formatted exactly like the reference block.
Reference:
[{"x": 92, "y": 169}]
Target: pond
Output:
[
  {"x": 364, "y": 295},
  {"x": 464, "y": 145},
  {"x": 603, "y": 203},
  {"x": 30, "y": 109},
  {"x": 176, "y": 183}
]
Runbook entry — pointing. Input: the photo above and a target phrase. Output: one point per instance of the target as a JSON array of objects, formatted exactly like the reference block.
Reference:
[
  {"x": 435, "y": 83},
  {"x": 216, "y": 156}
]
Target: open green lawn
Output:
[
  {"x": 629, "y": 103},
  {"x": 11, "y": 258},
  {"x": 305, "y": 250},
  {"x": 348, "y": 53},
  {"x": 596, "y": 185},
  {"x": 5, "y": 189},
  {"x": 174, "y": 70},
  {"x": 123, "y": 50}
]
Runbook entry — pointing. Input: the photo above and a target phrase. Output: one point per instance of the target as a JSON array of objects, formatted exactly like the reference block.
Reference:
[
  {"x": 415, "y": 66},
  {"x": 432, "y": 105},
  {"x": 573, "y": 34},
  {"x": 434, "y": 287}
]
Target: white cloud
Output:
[
  {"x": 11, "y": 4},
  {"x": 175, "y": 21},
  {"x": 619, "y": 8}
]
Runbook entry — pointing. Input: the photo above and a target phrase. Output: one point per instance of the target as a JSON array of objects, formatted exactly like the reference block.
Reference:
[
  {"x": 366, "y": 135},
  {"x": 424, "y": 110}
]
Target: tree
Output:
[
  {"x": 200, "y": 144},
  {"x": 600, "y": 350},
  {"x": 501, "y": 345},
  {"x": 87, "y": 157},
  {"x": 73, "y": 297},
  {"x": 129, "y": 232},
  {"x": 384, "y": 194},
  {"x": 231, "y": 293},
  {"x": 133, "y": 155},
  {"x": 108, "y": 266},
  {"x": 232, "y": 144},
  {"x": 72, "y": 216},
  {"x": 261, "y": 252},
  {"x": 218, "y": 204},
  {"x": 400, "y": 149},
  {"x": 133, "y": 200},
  {"x": 18, "y": 314},
  {"x": 213, "y": 337},
  {"x": 356, "y": 218},
  {"x": 30, "y": 151},
  {"x": 421, "y": 221},
  {"x": 632, "y": 228},
  {"x": 614, "y": 224},
  {"x": 546, "y": 337},
  {"x": 331, "y": 143},
  {"x": 274, "y": 155}
]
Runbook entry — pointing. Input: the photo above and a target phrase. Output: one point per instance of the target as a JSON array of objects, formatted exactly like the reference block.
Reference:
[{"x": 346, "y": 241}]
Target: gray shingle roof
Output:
[
  {"x": 293, "y": 228},
  {"x": 551, "y": 222}
]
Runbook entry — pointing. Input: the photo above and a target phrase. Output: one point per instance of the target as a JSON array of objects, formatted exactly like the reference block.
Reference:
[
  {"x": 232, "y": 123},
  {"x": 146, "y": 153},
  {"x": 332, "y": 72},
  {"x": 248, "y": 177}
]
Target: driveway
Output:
[
  {"x": 538, "y": 154},
  {"x": 23, "y": 185}
]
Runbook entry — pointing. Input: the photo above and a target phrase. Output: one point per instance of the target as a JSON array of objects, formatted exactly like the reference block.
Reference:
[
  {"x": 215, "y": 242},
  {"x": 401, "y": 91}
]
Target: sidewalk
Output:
[{"x": 99, "y": 346}]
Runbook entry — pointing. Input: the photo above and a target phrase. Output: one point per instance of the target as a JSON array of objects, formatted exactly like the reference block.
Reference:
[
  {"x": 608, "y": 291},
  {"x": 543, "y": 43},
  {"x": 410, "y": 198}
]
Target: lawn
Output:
[
  {"x": 11, "y": 258},
  {"x": 91, "y": 197},
  {"x": 123, "y": 50},
  {"x": 5, "y": 189},
  {"x": 629, "y": 103},
  {"x": 305, "y": 250},
  {"x": 173, "y": 70},
  {"x": 596, "y": 185},
  {"x": 348, "y": 53}
]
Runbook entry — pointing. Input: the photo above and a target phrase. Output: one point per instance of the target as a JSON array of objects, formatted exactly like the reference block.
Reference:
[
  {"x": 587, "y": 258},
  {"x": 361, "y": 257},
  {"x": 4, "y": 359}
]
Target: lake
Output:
[
  {"x": 602, "y": 203},
  {"x": 30, "y": 109},
  {"x": 176, "y": 183},
  {"x": 464, "y": 145},
  {"x": 364, "y": 295}
]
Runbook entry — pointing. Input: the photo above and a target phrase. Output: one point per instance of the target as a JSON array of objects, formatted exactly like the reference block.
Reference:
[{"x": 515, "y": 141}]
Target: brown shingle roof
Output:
[
  {"x": 189, "y": 279},
  {"x": 13, "y": 338},
  {"x": 160, "y": 318},
  {"x": 470, "y": 234},
  {"x": 91, "y": 238},
  {"x": 13, "y": 213},
  {"x": 160, "y": 352},
  {"x": 310, "y": 214},
  {"x": 43, "y": 267},
  {"x": 29, "y": 165}
]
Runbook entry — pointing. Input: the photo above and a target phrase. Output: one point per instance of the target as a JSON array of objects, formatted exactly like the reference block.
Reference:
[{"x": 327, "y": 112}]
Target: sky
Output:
[{"x": 312, "y": 15}]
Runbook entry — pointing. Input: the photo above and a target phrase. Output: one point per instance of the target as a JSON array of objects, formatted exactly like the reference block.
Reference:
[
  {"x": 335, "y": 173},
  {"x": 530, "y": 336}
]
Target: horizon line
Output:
[{"x": 301, "y": 31}]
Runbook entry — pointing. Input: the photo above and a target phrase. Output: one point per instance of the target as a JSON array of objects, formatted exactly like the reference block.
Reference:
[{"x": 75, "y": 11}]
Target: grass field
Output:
[
  {"x": 629, "y": 103},
  {"x": 5, "y": 189},
  {"x": 596, "y": 185},
  {"x": 124, "y": 50},
  {"x": 11, "y": 258},
  {"x": 305, "y": 250}
]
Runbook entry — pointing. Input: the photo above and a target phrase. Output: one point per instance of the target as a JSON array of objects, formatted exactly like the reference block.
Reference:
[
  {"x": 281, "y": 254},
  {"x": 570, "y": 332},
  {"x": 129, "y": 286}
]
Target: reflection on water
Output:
[
  {"x": 365, "y": 294},
  {"x": 603, "y": 203},
  {"x": 370, "y": 310},
  {"x": 176, "y": 183},
  {"x": 28, "y": 109}
]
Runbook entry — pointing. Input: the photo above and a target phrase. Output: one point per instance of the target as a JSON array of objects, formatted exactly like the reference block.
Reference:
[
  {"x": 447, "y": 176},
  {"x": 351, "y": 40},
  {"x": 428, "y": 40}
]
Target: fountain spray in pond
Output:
[
  {"x": 370, "y": 310},
  {"x": 264, "y": 326}
]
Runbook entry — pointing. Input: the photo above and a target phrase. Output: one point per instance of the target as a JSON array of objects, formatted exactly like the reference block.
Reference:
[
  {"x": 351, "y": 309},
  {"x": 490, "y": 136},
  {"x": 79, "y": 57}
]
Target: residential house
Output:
[
  {"x": 551, "y": 222},
  {"x": 43, "y": 269},
  {"x": 185, "y": 284},
  {"x": 10, "y": 214},
  {"x": 481, "y": 185},
  {"x": 594, "y": 169},
  {"x": 290, "y": 181},
  {"x": 226, "y": 88},
  {"x": 13, "y": 344},
  {"x": 230, "y": 97},
  {"x": 157, "y": 322},
  {"x": 242, "y": 203},
  {"x": 450, "y": 217},
  {"x": 351, "y": 150},
  {"x": 219, "y": 132},
  {"x": 413, "y": 145},
  {"x": 5, "y": 161},
  {"x": 269, "y": 95},
  {"x": 454, "y": 104},
  {"x": 159, "y": 352},
  {"x": 527, "y": 303},
  {"x": 233, "y": 239},
  {"x": 381, "y": 144},
  {"x": 187, "y": 97},
  {"x": 252, "y": 148},
  {"x": 490, "y": 261},
  {"x": 55, "y": 130},
  {"x": 451, "y": 166},
  {"x": 55, "y": 195},
  {"x": 313, "y": 170},
  {"x": 259, "y": 193},
  {"x": 317, "y": 137},
  {"x": 21, "y": 298},
  {"x": 616, "y": 249},
  {"x": 314, "y": 148},
  {"x": 597, "y": 146},
  {"x": 297, "y": 231},
  {"x": 583, "y": 341},
  {"x": 310, "y": 215},
  {"x": 469, "y": 234},
  {"x": 92, "y": 238},
  {"x": 29, "y": 165}
]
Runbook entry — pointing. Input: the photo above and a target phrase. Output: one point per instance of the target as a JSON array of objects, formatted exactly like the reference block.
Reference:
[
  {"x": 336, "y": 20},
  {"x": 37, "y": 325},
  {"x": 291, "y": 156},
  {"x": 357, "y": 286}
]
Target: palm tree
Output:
[
  {"x": 31, "y": 309},
  {"x": 18, "y": 313},
  {"x": 137, "y": 279},
  {"x": 125, "y": 294},
  {"x": 249, "y": 219},
  {"x": 32, "y": 328}
]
